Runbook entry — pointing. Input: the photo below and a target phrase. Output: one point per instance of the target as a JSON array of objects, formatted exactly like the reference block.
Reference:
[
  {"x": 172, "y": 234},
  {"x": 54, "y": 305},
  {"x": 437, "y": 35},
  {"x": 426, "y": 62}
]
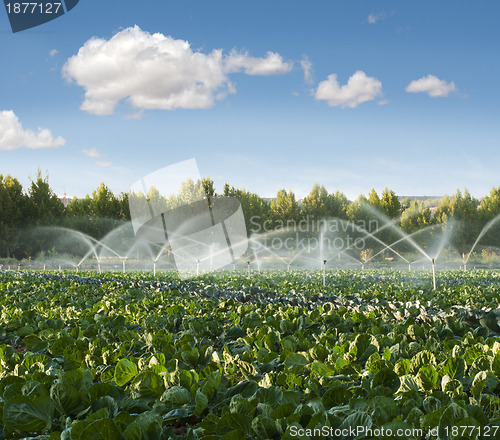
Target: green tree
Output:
[
  {"x": 463, "y": 210},
  {"x": 256, "y": 210},
  {"x": 96, "y": 215},
  {"x": 374, "y": 199},
  {"x": 104, "y": 203},
  {"x": 489, "y": 211},
  {"x": 316, "y": 204},
  {"x": 43, "y": 209},
  {"x": 79, "y": 216},
  {"x": 416, "y": 217},
  {"x": 209, "y": 190},
  {"x": 443, "y": 211},
  {"x": 357, "y": 212},
  {"x": 12, "y": 207},
  {"x": 338, "y": 205},
  {"x": 490, "y": 205},
  {"x": 124, "y": 206},
  {"x": 389, "y": 204},
  {"x": 285, "y": 208}
]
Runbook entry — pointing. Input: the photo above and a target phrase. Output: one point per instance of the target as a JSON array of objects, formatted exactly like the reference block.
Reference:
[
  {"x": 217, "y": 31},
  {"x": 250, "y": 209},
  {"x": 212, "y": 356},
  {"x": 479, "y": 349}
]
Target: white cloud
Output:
[
  {"x": 92, "y": 152},
  {"x": 374, "y": 17},
  {"x": 158, "y": 72},
  {"x": 135, "y": 115},
  {"x": 13, "y": 135},
  {"x": 272, "y": 64},
  {"x": 383, "y": 102},
  {"x": 307, "y": 68},
  {"x": 359, "y": 88},
  {"x": 53, "y": 52},
  {"x": 101, "y": 163},
  {"x": 95, "y": 154},
  {"x": 432, "y": 85}
]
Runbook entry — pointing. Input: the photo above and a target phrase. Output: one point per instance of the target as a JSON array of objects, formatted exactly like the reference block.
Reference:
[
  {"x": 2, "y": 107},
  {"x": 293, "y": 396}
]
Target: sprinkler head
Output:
[{"x": 324, "y": 262}]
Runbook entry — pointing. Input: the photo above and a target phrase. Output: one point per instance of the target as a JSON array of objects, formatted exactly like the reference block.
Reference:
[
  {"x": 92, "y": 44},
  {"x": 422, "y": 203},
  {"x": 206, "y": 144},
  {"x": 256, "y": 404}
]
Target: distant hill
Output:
[{"x": 420, "y": 198}]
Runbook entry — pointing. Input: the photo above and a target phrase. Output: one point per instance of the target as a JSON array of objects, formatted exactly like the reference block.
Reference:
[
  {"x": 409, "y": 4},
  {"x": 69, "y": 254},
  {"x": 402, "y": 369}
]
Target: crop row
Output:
[{"x": 230, "y": 357}]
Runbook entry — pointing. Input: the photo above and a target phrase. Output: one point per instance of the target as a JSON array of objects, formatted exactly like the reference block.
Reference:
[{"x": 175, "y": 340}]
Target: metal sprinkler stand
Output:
[
  {"x": 248, "y": 268},
  {"x": 434, "y": 273},
  {"x": 324, "y": 273},
  {"x": 197, "y": 267}
]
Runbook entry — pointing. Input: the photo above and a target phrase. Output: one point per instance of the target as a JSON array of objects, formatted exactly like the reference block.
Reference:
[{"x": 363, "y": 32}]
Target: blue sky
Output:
[{"x": 265, "y": 95}]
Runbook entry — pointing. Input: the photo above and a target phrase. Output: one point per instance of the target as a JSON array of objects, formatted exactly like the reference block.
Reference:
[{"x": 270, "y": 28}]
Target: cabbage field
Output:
[{"x": 374, "y": 354}]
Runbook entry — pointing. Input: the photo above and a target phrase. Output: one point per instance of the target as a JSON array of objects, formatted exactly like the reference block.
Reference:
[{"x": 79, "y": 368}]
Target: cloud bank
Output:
[
  {"x": 91, "y": 152},
  {"x": 154, "y": 71},
  {"x": 374, "y": 17},
  {"x": 308, "y": 71},
  {"x": 431, "y": 85},
  {"x": 359, "y": 88},
  {"x": 13, "y": 135}
]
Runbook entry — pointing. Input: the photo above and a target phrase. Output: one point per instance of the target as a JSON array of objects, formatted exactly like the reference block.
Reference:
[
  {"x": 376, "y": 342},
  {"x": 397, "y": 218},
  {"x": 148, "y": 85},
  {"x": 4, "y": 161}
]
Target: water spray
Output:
[{"x": 478, "y": 239}]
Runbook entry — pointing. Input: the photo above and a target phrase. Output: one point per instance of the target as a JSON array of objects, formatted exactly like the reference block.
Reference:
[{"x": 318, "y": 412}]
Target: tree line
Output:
[{"x": 25, "y": 212}]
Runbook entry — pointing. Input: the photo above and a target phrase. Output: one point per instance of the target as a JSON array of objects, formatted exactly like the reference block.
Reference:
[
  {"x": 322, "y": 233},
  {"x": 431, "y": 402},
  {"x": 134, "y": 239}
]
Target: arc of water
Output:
[
  {"x": 391, "y": 224},
  {"x": 399, "y": 241},
  {"x": 364, "y": 231},
  {"x": 295, "y": 256},
  {"x": 86, "y": 239},
  {"x": 485, "y": 229},
  {"x": 213, "y": 254},
  {"x": 348, "y": 256},
  {"x": 387, "y": 247},
  {"x": 265, "y": 248},
  {"x": 107, "y": 247}
]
